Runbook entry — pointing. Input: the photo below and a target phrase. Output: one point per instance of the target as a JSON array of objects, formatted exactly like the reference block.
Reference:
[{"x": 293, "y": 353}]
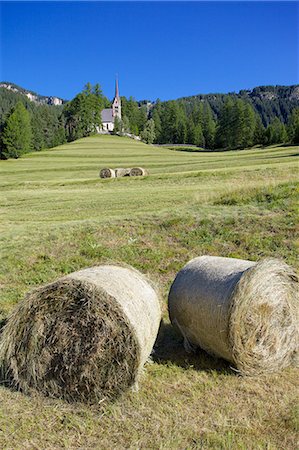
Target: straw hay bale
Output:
[
  {"x": 138, "y": 172},
  {"x": 107, "y": 173},
  {"x": 84, "y": 337},
  {"x": 122, "y": 172},
  {"x": 245, "y": 312}
]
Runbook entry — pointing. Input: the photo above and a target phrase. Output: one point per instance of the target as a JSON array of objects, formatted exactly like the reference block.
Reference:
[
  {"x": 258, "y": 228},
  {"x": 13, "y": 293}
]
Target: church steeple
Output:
[
  {"x": 116, "y": 87},
  {"x": 116, "y": 105}
]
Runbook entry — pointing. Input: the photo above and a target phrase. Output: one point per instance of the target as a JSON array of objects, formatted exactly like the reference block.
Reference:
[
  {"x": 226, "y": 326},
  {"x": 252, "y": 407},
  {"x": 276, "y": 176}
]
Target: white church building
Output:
[{"x": 109, "y": 114}]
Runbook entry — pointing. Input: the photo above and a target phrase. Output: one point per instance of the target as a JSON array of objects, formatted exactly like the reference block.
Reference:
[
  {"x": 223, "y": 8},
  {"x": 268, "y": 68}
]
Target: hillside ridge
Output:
[
  {"x": 263, "y": 92},
  {"x": 31, "y": 95}
]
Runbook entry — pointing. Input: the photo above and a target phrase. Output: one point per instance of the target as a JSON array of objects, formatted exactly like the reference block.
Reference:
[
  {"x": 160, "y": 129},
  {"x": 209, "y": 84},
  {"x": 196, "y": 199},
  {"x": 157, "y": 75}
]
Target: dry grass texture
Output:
[
  {"x": 107, "y": 173},
  {"x": 138, "y": 172},
  {"x": 84, "y": 337},
  {"x": 120, "y": 172},
  {"x": 241, "y": 311}
]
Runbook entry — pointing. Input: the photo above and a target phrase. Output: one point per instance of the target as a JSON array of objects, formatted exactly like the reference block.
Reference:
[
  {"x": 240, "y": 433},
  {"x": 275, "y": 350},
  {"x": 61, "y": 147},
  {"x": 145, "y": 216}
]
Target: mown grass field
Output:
[{"x": 57, "y": 216}]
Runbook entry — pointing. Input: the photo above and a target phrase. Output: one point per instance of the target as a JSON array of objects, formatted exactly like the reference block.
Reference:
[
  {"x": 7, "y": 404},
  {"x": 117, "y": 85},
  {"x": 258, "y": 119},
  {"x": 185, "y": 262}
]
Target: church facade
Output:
[{"x": 109, "y": 114}]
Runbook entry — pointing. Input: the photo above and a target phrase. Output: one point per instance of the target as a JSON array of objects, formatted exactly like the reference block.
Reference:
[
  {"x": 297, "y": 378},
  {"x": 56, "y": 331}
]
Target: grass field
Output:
[{"x": 57, "y": 216}]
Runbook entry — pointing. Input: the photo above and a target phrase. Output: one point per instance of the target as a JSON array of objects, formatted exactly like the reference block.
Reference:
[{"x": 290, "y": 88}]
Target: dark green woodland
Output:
[{"x": 263, "y": 116}]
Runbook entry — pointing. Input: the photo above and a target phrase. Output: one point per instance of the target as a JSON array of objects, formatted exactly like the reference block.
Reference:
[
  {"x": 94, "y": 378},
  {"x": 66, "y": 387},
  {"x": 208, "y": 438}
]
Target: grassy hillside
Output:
[{"x": 57, "y": 216}]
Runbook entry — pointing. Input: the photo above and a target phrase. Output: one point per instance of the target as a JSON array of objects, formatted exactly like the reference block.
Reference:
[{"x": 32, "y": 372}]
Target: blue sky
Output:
[{"x": 160, "y": 50}]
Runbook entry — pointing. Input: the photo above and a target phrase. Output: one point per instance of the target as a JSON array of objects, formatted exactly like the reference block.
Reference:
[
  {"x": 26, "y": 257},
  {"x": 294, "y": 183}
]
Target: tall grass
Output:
[{"x": 57, "y": 215}]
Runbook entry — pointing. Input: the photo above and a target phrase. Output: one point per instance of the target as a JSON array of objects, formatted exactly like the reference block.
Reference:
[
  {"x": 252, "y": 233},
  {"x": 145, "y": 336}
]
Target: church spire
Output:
[
  {"x": 116, "y": 104},
  {"x": 116, "y": 87}
]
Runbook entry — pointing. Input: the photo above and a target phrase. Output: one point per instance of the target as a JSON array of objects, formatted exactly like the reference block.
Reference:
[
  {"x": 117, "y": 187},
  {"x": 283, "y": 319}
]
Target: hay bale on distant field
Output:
[
  {"x": 84, "y": 337},
  {"x": 107, "y": 173},
  {"x": 239, "y": 310},
  {"x": 119, "y": 172},
  {"x": 138, "y": 172}
]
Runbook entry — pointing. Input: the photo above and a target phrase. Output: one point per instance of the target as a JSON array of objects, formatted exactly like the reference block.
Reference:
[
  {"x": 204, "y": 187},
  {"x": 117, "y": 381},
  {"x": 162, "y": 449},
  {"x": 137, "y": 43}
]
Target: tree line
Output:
[
  {"x": 26, "y": 126},
  {"x": 237, "y": 126},
  {"x": 268, "y": 101}
]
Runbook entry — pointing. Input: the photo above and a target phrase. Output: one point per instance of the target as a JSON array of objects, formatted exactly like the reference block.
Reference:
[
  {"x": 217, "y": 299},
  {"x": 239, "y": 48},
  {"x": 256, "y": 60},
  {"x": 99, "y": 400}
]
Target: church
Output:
[{"x": 109, "y": 114}]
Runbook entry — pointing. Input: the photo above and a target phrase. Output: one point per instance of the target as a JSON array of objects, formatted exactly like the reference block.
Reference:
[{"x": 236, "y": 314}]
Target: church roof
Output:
[{"x": 107, "y": 115}]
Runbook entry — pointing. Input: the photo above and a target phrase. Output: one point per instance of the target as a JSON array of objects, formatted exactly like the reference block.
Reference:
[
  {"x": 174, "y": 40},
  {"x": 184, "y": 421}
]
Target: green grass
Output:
[{"x": 57, "y": 216}]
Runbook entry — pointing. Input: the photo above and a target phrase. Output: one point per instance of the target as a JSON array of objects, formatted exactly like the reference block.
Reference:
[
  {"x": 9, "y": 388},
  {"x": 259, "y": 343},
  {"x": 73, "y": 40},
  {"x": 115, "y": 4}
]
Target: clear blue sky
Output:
[{"x": 159, "y": 49}]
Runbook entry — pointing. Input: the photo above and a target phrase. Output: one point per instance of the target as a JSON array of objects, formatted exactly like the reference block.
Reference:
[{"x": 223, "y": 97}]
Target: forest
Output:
[{"x": 264, "y": 116}]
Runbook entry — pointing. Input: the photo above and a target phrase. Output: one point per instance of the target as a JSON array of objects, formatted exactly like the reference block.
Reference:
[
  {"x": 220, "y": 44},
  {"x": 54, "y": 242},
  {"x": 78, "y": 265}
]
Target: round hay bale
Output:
[
  {"x": 242, "y": 311},
  {"x": 138, "y": 172},
  {"x": 122, "y": 172},
  {"x": 107, "y": 173},
  {"x": 84, "y": 337}
]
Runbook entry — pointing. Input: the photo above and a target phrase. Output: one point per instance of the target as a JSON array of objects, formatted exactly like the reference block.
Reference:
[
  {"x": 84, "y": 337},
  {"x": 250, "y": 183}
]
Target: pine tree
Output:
[
  {"x": 236, "y": 125},
  {"x": 249, "y": 126},
  {"x": 59, "y": 136},
  {"x": 181, "y": 132},
  {"x": 117, "y": 126},
  {"x": 126, "y": 125},
  {"x": 223, "y": 136},
  {"x": 209, "y": 127},
  {"x": 197, "y": 114},
  {"x": 97, "y": 91},
  {"x": 17, "y": 133},
  {"x": 169, "y": 122},
  {"x": 87, "y": 89},
  {"x": 38, "y": 141},
  {"x": 276, "y": 132},
  {"x": 190, "y": 132},
  {"x": 137, "y": 119},
  {"x": 148, "y": 133},
  {"x": 142, "y": 118},
  {"x": 156, "y": 118},
  {"x": 293, "y": 127},
  {"x": 198, "y": 138},
  {"x": 259, "y": 136},
  {"x": 83, "y": 114}
]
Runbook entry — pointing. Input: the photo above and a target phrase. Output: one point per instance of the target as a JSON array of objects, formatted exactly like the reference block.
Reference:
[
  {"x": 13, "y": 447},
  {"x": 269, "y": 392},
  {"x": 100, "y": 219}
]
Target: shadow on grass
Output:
[
  {"x": 169, "y": 348},
  {"x": 190, "y": 150},
  {"x": 286, "y": 156},
  {"x": 3, "y": 379},
  {"x": 2, "y": 323}
]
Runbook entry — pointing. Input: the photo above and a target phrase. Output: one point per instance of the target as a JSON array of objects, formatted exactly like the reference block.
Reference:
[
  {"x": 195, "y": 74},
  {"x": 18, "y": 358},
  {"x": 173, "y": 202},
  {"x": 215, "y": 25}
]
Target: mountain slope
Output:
[
  {"x": 32, "y": 96},
  {"x": 268, "y": 101}
]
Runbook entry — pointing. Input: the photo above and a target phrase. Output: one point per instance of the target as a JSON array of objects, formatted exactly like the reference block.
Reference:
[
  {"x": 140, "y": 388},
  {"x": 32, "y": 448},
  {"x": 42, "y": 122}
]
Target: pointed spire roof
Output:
[{"x": 116, "y": 87}]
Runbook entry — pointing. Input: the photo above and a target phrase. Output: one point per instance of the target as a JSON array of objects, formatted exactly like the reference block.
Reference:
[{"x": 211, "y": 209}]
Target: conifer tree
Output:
[
  {"x": 259, "y": 136},
  {"x": 224, "y": 127},
  {"x": 97, "y": 91},
  {"x": 181, "y": 131},
  {"x": 293, "y": 127},
  {"x": 83, "y": 114},
  {"x": 117, "y": 126},
  {"x": 148, "y": 133},
  {"x": 209, "y": 127},
  {"x": 169, "y": 122},
  {"x": 249, "y": 126},
  {"x": 136, "y": 118},
  {"x": 141, "y": 118},
  {"x": 17, "y": 133},
  {"x": 198, "y": 138},
  {"x": 158, "y": 126},
  {"x": 276, "y": 132},
  {"x": 236, "y": 125},
  {"x": 126, "y": 124},
  {"x": 38, "y": 141},
  {"x": 190, "y": 132}
]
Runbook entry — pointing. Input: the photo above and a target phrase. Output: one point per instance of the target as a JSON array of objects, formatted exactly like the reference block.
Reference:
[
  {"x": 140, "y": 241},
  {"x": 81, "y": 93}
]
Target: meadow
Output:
[{"x": 58, "y": 216}]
